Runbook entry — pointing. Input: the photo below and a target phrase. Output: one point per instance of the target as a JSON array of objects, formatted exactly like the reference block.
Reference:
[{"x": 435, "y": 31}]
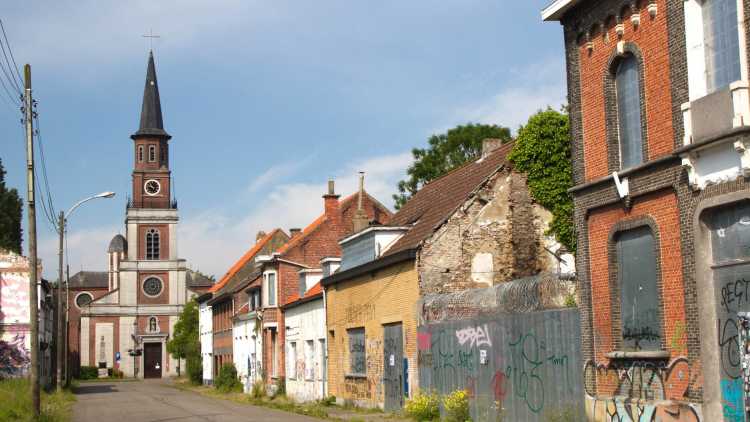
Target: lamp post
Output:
[{"x": 62, "y": 349}]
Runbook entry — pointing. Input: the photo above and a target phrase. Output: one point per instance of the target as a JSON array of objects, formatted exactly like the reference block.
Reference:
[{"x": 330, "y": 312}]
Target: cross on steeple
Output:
[{"x": 151, "y": 37}]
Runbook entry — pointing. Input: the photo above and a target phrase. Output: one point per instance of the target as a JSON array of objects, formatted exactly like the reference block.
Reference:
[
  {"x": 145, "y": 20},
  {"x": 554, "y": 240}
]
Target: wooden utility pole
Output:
[
  {"x": 60, "y": 315},
  {"x": 33, "y": 277},
  {"x": 67, "y": 324}
]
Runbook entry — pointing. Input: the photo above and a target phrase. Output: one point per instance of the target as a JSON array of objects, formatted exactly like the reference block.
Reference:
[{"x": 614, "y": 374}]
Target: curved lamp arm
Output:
[{"x": 79, "y": 203}]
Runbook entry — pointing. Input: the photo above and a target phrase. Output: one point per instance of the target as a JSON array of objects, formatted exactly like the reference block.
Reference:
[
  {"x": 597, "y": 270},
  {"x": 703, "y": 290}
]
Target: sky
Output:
[{"x": 265, "y": 101}]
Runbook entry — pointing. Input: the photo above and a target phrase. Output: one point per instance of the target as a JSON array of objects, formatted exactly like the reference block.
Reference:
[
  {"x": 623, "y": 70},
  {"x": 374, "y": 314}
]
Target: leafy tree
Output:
[
  {"x": 446, "y": 152},
  {"x": 542, "y": 151},
  {"x": 10, "y": 216},
  {"x": 185, "y": 342}
]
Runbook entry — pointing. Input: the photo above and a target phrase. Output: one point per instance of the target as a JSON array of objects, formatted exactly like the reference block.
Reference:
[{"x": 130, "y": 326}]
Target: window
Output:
[
  {"x": 322, "y": 359},
  {"x": 302, "y": 285},
  {"x": 152, "y": 244},
  {"x": 83, "y": 299},
  {"x": 152, "y": 286},
  {"x": 639, "y": 296},
  {"x": 270, "y": 282},
  {"x": 309, "y": 357},
  {"x": 628, "y": 87},
  {"x": 720, "y": 43},
  {"x": 254, "y": 300},
  {"x": 291, "y": 365},
  {"x": 151, "y": 153},
  {"x": 274, "y": 355},
  {"x": 357, "y": 351},
  {"x": 153, "y": 327},
  {"x": 140, "y": 153}
]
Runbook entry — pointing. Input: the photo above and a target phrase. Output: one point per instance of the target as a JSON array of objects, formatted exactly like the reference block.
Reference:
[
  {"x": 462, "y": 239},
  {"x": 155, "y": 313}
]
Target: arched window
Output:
[
  {"x": 140, "y": 153},
  {"x": 721, "y": 43},
  {"x": 151, "y": 153},
  {"x": 152, "y": 325},
  {"x": 628, "y": 85},
  {"x": 152, "y": 244}
]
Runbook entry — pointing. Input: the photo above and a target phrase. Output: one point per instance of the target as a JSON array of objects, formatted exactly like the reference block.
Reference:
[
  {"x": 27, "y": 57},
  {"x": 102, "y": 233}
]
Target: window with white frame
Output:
[
  {"x": 291, "y": 364},
  {"x": 309, "y": 360},
  {"x": 628, "y": 88},
  {"x": 274, "y": 355},
  {"x": 269, "y": 282},
  {"x": 721, "y": 44},
  {"x": 152, "y": 153}
]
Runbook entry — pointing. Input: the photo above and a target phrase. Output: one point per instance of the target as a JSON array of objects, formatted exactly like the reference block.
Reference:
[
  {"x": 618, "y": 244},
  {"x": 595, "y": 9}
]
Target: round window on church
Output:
[
  {"x": 83, "y": 299},
  {"x": 152, "y": 286}
]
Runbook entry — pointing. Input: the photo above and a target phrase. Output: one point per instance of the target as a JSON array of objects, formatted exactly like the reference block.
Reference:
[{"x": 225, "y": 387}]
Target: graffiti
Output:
[
  {"x": 14, "y": 357},
  {"x": 524, "y": 371},
  {"x": 358, "y": 389},
  {"x": 734, "y": 294},
  {"x": 359, "y": 313},
  {"x": 677, "y": 340},
  {"x": 641, "y": 391},
  {"x": 478, "y": 336},
  {"x": 732, "y": 402},
  {"x": 498, "y": 386},
  {"x": 730, "y": 347},
  {"x": 423, "y": 340},
  {"x": 466, "y": 360}
]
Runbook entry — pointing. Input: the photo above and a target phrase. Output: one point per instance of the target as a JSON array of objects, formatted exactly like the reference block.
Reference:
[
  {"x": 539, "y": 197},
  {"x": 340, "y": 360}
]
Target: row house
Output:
[
  {"x": 660, "y": 128},
  {"x": 226, "y": 301},
  {"x": 292, "y": 273},
  {"x": 474, "y": 227}
]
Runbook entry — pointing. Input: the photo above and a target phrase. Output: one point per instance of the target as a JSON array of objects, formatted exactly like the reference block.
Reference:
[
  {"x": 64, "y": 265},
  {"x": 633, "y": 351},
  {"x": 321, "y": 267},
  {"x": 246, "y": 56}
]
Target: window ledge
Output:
[
  {"x": 356, "y": 376},
  {"x": 651, "y": 354}
]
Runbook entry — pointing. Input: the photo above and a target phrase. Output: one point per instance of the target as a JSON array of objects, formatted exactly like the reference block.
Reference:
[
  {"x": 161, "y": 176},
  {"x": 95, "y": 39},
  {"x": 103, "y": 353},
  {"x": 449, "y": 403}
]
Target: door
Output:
[
  {"x": 393, "y": 378},
  {"x": 152, "y": 360}
]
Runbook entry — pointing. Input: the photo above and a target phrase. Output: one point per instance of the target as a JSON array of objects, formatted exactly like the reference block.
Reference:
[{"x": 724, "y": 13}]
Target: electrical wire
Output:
[
  {"x": 7, "y": 71},
  {"x": 15, "y": 66},
  {"x": 46, "y": 191}
]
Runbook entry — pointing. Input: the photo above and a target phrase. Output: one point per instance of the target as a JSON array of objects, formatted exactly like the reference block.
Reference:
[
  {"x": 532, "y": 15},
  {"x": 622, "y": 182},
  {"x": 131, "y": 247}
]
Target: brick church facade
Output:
[
  {"x": 660, "y": 127},
  {"x": 123, "y": 318}
]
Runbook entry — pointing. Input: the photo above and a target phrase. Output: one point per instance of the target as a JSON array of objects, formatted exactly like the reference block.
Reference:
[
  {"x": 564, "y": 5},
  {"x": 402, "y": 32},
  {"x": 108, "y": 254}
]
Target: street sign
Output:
[{"x": 117, "y": 356}]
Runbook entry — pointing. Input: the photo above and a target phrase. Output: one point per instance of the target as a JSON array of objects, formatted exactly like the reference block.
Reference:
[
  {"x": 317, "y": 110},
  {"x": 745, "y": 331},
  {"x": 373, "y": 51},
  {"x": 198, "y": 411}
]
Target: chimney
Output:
[
  {"x": 489, "y": 145},
  {"x": 261, "y": 234},
  {"x": 331, "y": 203},
  {"x": 293, "y": 232},
  {"x": 360, "y": 221}
]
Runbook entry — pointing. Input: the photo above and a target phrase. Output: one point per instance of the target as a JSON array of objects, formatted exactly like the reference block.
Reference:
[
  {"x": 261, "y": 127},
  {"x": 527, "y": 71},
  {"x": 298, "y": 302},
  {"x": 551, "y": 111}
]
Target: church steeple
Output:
[{"x": 152, "y": 124}]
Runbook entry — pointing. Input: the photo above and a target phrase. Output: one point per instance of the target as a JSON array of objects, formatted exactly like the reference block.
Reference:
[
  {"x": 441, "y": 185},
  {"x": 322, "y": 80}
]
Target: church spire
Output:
[{"x": 151, "y": 119}]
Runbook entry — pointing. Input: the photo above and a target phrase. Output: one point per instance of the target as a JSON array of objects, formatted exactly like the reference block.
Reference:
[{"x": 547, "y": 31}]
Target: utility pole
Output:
[
  {"x": 33, "y": 304},
  {"x": 67, "y": 323},
  {"x": 60, "y": 315}
]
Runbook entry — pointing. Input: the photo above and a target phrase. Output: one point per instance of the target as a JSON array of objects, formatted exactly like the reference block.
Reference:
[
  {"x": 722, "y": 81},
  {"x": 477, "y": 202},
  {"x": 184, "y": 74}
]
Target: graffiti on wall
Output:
[
  {"x": 14, "y": 357},
  {"x": 521, "y": 365},
  {"x": 733, "y": 296}
]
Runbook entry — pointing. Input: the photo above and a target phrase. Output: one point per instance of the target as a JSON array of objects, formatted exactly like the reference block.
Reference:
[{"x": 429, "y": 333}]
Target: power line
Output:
[
  {"x": 15, "y": 66},
  {"x": 9, "y": 73}
]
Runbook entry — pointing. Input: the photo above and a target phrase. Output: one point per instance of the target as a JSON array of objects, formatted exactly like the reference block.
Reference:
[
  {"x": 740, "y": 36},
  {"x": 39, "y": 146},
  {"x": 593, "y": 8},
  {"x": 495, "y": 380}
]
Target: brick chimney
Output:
[
  {"x": 294, "y": 231},
  {"x": 261, "y": 234},
  {"x": 489, "y": 145},
  {"x": 331, "y": 204},
  {"x": 360, "y": 221}
]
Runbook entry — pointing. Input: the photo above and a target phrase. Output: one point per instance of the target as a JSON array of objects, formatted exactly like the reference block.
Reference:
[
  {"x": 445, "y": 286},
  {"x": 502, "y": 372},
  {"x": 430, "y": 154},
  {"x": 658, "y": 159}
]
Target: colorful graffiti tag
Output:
[{"x": 14, "y": 357}]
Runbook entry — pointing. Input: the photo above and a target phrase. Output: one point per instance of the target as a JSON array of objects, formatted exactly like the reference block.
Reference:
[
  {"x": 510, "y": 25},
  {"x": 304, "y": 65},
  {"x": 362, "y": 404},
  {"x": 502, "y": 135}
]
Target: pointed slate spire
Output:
[{"x": 151, "y": 120}]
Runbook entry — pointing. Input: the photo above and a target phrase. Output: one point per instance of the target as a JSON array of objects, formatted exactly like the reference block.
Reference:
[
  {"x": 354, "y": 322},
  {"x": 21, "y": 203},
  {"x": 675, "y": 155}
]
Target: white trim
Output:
[
  {"x": 264, "y": 286},
  {"x": 151, "y": 148},
  {"x": 373, "y": 229},
  {"x": 75, "y": 300},
  {"x": 143, "y": 289},
  {"x": 555, "y": 10}
]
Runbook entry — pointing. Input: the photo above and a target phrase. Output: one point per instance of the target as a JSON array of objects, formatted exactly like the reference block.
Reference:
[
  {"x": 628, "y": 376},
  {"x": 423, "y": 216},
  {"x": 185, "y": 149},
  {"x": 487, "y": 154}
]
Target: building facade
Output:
[
  {"x": 147, "y": 283},
  {"x": 659, "y": 115}
]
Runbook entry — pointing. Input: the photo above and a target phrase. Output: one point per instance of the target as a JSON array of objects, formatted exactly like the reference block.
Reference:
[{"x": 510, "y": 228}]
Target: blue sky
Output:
[{"x": 265, "y": 100}]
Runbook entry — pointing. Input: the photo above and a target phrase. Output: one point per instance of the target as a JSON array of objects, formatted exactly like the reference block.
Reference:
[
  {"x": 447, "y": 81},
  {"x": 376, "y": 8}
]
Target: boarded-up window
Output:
[
  {"x": 639, "y": 296},
  {"x": 357, "y": 351},
  {"x": 291, "y": 364},
  {"x": 309, "y": 360}
]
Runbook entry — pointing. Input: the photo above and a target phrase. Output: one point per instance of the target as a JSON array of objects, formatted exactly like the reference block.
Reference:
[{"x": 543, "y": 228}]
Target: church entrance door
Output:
[{"x": 152, "y": 360}]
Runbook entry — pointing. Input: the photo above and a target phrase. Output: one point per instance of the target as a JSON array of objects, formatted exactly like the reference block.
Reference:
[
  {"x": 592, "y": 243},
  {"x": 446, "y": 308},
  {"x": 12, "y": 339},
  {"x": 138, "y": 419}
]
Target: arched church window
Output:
[
  {"x": 152, "y": 244},
  {"x": 151, "y": 153},
  {"x": 140, "y": 153},
  {"x": 152, "y": 325}
]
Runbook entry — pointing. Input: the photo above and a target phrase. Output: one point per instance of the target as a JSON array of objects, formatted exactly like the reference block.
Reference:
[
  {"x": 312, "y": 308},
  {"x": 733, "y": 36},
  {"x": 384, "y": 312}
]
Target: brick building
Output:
[{"x": 659, "y": 113}]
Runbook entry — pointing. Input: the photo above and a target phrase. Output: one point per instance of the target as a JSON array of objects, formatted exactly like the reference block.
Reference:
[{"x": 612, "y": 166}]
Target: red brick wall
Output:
[
  {"x": 74, "y": 326},
  {"x": 163, "y": 297},
  {"x": 661, "y": 208},
  {"x": 651, "y": 37}
]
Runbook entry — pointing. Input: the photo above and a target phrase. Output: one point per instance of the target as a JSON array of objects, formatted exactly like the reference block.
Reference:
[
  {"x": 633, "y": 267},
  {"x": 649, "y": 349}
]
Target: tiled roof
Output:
[
  {"x": 249, "y": 255},
  {"x": 90, "y": 279},
  {"x": 438, "y": 199},
  {"x": 195, "y": 279},
  {"x": 314, "y": 291}
]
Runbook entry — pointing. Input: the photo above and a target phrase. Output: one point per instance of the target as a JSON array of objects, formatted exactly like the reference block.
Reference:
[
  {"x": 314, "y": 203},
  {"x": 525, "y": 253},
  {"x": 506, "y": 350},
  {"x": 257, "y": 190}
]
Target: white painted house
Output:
[
  {"x": 247, "y": 341},
  {"x": 205, "y": 329}
]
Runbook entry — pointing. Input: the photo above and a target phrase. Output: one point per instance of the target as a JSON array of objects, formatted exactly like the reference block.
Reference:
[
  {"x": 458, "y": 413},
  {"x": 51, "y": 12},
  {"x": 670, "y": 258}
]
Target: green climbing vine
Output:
[{"x": 542, "y": 151}]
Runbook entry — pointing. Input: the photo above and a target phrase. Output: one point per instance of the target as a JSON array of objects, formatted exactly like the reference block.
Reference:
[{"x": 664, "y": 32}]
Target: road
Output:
[{"x": 155, "y": 400}]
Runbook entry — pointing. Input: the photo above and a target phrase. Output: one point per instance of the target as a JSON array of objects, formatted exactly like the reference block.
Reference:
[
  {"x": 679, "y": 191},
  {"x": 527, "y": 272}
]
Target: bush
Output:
[
  {"x": 423, "y": 407},
  {"x": 115, "y": 373},
  {"x": 195, "y": 369},
  {"x": 88, "y": 373},
  {"x": 259, "y": 390},
  {"x": 227, "y": 380},
  {"x": 456, "y": 405}
]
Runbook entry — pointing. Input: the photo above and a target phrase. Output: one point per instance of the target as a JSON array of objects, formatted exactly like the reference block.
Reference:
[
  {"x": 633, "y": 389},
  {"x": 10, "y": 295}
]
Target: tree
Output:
[
  {"x": 542, "y": 151},
  {"x": 446, "y": 152},
  {"x": 10, "y": 216},
  {"x": 185, "y": 342}
]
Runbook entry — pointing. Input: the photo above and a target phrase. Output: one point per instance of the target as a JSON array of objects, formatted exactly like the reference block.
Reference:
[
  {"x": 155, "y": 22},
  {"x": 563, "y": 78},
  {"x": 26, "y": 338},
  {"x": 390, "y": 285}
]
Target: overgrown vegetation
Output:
[
  {"x": 88, "y": 373},
  {"x": 10, "y": 216},
  {"x": 15, "y": 403},
  {"x": 185, "y": 342},
  {"x": 542, "y": 151},
  {"x": 456, "y": 405},
  {"x": 423, "y": 407},
  {"x": 227, "y": 380},
  {"x": 570, "y": 413},
  {"x": 445, "y": 152}
]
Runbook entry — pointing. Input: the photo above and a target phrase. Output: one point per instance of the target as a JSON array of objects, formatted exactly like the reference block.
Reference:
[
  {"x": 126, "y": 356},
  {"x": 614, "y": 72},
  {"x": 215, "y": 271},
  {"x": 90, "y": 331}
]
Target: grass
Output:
[{"x": 15, "y": 403}]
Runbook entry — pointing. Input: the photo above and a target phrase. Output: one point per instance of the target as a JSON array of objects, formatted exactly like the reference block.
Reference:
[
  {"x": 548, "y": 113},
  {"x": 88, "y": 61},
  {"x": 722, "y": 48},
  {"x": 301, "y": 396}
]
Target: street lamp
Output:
[{"x": 63, "y": 349}]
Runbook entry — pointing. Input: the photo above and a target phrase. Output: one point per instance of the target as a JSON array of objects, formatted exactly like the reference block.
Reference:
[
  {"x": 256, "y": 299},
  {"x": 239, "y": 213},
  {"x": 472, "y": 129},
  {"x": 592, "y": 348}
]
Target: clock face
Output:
[{"x": 152, "y": 187}]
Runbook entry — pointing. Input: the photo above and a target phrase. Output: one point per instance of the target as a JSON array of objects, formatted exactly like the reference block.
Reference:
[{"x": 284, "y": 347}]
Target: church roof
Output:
[
  {"x": 196, "y": 279},
  {"x": 89, "y": 279},
  {"x": 152, "y": 123},
  {"x": 118, "y": 244}
]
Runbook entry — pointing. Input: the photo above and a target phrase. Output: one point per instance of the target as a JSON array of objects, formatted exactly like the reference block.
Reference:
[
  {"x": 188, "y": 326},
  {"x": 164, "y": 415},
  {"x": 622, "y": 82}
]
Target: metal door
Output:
[
  {"x": 152, "y": 360},
  {"x": 393, "y": 378}
]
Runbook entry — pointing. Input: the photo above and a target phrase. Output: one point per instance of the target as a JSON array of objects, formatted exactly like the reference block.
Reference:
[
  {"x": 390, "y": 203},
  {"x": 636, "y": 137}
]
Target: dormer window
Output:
[
  {"x": 628, "y": 86},
  {"x": 151, "y": 153},
  {"x": 721, "y": 43}
]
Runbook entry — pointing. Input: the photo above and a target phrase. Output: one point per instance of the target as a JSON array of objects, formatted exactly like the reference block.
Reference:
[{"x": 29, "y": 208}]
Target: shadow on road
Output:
[{"x": 94, "y": 389}]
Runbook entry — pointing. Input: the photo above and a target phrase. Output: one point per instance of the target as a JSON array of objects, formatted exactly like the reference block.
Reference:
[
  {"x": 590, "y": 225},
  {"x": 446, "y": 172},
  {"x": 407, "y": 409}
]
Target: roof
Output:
[
  {"x": 196, "y": 279},
  {"x": 247, "y": 257},
  {"x": 118, "y": 244},
  {"x": 89, "y": 279},
  {"x": 439, "y": 199},
  {"x": 151, "y": 123},
  {"x": 311, "y": 294},
  {"x": 555, "y": 10}
]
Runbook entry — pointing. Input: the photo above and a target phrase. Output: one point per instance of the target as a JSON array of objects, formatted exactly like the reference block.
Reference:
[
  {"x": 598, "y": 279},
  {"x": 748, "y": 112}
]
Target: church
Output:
[{"x": 121, "y": 319}]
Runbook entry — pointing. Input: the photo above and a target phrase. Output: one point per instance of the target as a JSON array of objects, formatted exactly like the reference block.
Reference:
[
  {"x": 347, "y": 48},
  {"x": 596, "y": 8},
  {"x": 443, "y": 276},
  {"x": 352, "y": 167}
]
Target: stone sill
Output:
[
  {"x": 655, "y": 354},
  {"x": 355, "y": 376}
]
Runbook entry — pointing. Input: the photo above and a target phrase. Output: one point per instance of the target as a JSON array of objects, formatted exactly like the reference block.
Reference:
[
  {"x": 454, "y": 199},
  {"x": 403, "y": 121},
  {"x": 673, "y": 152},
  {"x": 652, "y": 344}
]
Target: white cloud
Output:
[{"x": 87, "y": 250}]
